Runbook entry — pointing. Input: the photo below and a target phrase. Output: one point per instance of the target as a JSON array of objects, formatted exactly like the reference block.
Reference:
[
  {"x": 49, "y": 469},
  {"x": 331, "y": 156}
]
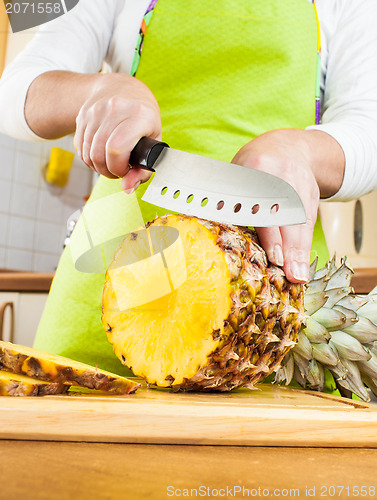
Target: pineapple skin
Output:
[
  {"x": 58, "y": 370},
  {"x": 266, "y": 315}
]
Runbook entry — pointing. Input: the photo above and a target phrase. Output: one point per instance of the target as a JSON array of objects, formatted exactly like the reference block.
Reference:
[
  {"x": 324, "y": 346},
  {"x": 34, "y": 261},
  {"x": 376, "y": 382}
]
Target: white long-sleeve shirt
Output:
[{"x": 106, "y": 30}]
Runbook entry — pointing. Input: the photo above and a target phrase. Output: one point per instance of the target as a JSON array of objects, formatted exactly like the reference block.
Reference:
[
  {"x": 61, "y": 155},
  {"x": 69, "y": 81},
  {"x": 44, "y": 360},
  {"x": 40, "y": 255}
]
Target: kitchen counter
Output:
[
  {"x": 274, "y": 438},
  {"x": 363, "y": 280},
  {"x": 101, "y": 471},
  {"x": 22, "y": 281}
]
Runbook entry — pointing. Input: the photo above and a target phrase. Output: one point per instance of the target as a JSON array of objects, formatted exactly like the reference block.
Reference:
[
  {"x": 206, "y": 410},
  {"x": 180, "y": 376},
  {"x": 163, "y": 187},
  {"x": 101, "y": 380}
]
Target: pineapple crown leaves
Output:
[{"x": 339, "y": 336}]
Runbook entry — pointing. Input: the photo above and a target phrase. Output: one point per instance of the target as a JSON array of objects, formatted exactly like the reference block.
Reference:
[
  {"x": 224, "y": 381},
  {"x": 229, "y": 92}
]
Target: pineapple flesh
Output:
[
  {"x": 58, "y": 371},
  {"x": 229, "y": 324}
]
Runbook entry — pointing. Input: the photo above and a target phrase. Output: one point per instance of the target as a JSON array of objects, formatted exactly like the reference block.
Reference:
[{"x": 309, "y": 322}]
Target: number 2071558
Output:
[
  {"x": 355, "y": 491},
  {"x": 33, "y": 8}
]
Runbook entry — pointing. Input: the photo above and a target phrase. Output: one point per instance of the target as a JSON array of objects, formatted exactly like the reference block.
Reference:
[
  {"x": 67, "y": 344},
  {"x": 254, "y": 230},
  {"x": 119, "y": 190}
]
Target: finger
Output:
[
  {"x": 297, "y": 242},
  {"x": 134, "y": 178},
  {"x": 122, "y": 140},
  {"x": 271, "y": 241},
  {"x": 86, "y": 146},
  {"x": 96, "y": 134},
  {"x": 93, "y": 153},
  {"x": 98, "y": 149},
  {"x": 86, "y": 129},
  {"x": 103, "y": 131}
]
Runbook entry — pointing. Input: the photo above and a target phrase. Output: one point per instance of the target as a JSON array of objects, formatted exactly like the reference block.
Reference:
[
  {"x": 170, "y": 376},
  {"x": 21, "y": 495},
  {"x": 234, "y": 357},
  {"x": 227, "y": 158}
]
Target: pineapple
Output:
[
  {"x": 12, "y": 384},
  {"x": 230, "y": 323},
  {"x": 234, "y": 318},
  {"x": 58, "y": 371}
]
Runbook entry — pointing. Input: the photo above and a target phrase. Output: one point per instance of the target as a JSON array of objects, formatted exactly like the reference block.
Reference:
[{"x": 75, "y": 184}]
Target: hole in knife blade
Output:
[
  {"x": 190, "y": 197},
  {"x": 237, "y": 207},
  {"x": 176, "y": 194},
  {"x": 204, "y": 202},
  {"x": 220, "y": 205},
  {"x": 164, "y": 190},
  {"x": 255, "y": 208},
  {"x": 275, "y": 208}
]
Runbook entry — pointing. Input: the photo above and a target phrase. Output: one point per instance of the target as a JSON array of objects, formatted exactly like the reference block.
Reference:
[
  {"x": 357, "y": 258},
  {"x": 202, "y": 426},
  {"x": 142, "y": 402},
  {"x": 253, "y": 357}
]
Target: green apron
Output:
[{"x": 223, "y": 72}]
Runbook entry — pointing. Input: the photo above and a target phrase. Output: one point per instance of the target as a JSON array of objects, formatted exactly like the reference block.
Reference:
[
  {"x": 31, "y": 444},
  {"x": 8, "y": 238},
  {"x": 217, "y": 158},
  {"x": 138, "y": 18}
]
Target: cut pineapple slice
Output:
[
  {"x": 52, "y": 368},
  {"x": 12, "y": 384}
]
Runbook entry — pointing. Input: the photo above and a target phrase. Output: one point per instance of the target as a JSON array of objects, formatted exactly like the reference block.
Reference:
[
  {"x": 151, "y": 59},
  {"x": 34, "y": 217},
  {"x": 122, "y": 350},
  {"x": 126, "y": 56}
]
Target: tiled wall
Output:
[{"x": 33, "y": 214}]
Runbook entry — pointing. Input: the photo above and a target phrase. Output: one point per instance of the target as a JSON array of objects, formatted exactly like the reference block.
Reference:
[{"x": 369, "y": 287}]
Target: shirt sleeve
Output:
[
  {"x": 350, "y": 94},
  {"x": 77, "y": 41}
]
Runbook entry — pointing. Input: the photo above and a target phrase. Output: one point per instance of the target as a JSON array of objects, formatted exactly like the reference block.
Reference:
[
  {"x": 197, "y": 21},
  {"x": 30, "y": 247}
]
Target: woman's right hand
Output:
[{"x": 119, "y": 111}]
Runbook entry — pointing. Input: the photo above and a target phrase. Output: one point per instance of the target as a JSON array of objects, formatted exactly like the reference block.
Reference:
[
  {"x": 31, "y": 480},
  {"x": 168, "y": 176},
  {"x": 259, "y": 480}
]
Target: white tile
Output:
[
  {"x": 30, "y": 147},
  {"x": 28, "y": 169},
  {"x": 21, "y": 233},
  {"x": 67, "y": 143},
  {"x": 5, "y": 195},
  {"x": 2, "y": 257},
  {"x": 45, "y": 263},
  {"x": 7, "y": 156},
  {"x": 78, "y": 163},
  {"x": 79, "y": 182},
  {"x": 4, "y": 221},
  {"x": 45, "y": 152},
  {"x": 7, "y": 141},
  {"x": 24, "y": 201},
  {"x": 48, "y": 238},
  {"x": 70, "y": 206},
  {"x": 50, "y": 206},
  {"x": 19, "y": 259}
]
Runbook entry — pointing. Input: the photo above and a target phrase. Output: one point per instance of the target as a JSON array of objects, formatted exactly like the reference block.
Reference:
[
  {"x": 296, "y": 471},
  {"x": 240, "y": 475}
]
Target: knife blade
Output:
[{"x": 215, "y": 190}]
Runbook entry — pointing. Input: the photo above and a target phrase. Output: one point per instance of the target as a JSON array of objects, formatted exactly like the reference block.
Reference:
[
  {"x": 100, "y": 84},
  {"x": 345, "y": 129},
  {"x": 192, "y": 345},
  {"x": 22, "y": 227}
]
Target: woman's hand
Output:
[
  {"x": 295, "y": 156},
  {"x": 109, "y": 112},
  {"x": 118, "y": 111}
]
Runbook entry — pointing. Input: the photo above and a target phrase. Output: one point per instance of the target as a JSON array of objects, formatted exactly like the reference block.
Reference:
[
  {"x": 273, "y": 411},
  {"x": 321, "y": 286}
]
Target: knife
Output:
[{"x": 215, "y": 190}]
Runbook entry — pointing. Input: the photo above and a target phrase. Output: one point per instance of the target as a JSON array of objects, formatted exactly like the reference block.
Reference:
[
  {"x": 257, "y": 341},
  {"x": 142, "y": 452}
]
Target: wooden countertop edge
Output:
[
  {"x": 25, "y": 282},
  {"x": 363, "y": 281}
]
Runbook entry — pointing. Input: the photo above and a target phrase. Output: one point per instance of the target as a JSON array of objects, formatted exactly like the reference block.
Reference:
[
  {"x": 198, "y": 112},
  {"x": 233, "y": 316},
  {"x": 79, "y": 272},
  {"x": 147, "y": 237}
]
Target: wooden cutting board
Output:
[{"x": 268, "y": 416}]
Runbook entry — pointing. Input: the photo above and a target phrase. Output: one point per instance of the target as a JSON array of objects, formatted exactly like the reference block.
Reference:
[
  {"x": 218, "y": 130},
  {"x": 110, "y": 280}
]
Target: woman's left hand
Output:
[{"x": 293, "y": 155}]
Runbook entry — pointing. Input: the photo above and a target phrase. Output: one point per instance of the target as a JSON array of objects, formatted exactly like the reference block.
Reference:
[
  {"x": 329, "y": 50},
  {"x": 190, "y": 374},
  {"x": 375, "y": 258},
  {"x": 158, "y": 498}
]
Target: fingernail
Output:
[
  {"x": 132, "y": 190},
  {"x": 300, "y": 271},
  {"x": 278, "y": 255}
]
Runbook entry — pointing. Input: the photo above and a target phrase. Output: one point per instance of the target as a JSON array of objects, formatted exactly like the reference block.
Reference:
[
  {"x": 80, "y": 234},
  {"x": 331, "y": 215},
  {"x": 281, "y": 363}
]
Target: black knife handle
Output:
[{"x": 146, "y": 152}]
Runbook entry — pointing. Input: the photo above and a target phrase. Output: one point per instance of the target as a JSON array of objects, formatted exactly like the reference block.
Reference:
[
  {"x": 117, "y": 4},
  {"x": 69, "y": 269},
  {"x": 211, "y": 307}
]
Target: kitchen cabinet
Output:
[
  {"x": 20, "y": 313},
  {"x": 22, "y": 300}
]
